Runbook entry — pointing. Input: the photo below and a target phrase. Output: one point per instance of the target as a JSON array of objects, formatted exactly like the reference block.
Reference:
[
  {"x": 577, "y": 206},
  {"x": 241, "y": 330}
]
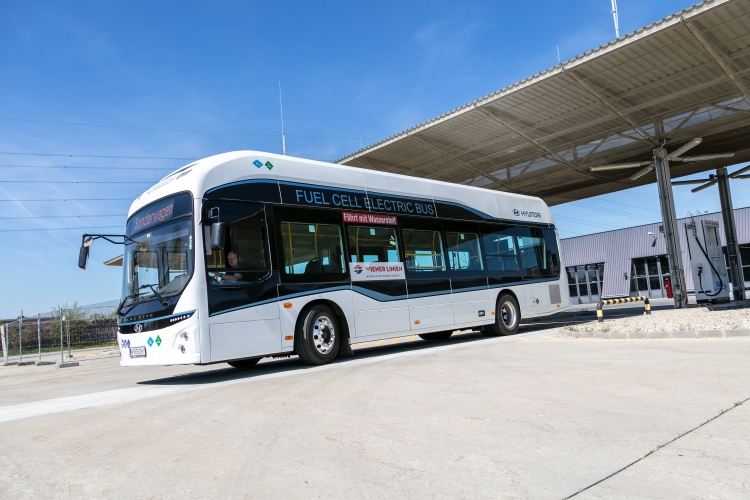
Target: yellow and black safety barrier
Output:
[{"x": 611, "y": 302}]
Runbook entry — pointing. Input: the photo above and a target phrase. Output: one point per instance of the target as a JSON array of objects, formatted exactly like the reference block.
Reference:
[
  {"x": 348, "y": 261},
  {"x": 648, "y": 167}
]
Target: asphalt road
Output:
[{"x": 535, "y": 415}]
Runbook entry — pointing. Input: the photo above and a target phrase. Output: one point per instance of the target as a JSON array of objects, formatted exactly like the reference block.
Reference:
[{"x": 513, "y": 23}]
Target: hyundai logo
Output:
[
  {"x": 138, "y": 328},
  {"x": 516, "y": 212}
]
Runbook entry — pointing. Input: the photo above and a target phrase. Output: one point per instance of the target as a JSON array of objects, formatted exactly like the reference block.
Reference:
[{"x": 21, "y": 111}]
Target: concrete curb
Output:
[{"x": 689, "y": 334}]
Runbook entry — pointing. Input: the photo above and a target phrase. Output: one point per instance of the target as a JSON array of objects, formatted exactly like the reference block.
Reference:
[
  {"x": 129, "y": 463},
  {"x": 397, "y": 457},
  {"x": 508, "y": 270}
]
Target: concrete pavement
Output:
[{"x": 535, "y": 415}]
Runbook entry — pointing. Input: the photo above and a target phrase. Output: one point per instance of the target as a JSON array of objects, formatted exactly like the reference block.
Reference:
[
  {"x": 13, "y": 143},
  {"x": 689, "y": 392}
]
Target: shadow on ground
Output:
[{"x": 224, "y": 372}]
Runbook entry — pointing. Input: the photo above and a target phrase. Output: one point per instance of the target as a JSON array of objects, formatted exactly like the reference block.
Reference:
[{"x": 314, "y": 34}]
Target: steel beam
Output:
[
  {"x": 730, "y": 234},
  {"x": 440, "y": 151},
  {"x": 716, "y": 57},
  {"x": 669, "y": 218},
  {"x": 605, "y": 102}
]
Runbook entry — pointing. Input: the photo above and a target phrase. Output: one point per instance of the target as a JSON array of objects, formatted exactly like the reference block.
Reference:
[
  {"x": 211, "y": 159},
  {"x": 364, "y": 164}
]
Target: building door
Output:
[
  {"x": 594, "y": 273},
  {"x": 585, "y": 283},
  {"x": 655, "y": 284}
]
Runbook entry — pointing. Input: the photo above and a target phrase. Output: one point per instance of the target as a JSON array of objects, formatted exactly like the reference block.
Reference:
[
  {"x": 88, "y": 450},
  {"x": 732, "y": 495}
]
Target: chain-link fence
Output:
[{"x": 65, "y": 328}]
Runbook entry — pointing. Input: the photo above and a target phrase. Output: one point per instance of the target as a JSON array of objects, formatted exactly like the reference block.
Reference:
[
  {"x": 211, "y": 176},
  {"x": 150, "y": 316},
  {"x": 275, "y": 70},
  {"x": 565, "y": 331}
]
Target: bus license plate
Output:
[{"x": 137, "y": 352}]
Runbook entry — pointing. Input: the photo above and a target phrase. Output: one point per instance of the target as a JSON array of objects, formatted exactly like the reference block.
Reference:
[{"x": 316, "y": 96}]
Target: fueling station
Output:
[{"x": 666, "y": 101}]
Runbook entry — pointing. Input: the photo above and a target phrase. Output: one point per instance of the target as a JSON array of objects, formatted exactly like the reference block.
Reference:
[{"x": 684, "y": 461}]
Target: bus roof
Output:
[{"x": 238, "y": 166}]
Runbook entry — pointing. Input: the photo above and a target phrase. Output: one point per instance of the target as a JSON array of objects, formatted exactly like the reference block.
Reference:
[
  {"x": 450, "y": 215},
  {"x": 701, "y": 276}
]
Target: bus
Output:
[{"x": 247, "y": 255}]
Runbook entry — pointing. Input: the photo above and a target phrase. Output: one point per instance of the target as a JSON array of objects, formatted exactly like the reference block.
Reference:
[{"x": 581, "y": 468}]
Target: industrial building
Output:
[{"x": 633, "y": 261}]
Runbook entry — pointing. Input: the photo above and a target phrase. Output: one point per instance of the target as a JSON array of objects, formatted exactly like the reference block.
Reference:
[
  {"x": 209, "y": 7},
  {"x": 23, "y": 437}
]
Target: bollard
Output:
[{"x": 610, "y": 302}]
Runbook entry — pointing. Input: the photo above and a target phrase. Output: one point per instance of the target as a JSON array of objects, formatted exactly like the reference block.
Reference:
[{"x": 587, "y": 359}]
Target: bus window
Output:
[
  {"x": 373, "y": 244},
  {"x": 532, "y": 249},
  {"x": 552, "y": 253},
  {"x": 243, "y": 258},
  {"x": 463, "y": 252},
  {"x": 500, "y": 250},
  {"x": 423, "y": 250},
  {"x": 311, "y": 249}
]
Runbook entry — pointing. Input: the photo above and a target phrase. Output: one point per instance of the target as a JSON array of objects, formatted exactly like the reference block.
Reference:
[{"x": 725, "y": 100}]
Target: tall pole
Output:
[
  {"x": 672, "y": 236},
  {"x": 730, "y": 234},
  {"x": 67, "y": 328},
  {"x": 614, "y": 14},
  {"x": 281, "y": 110}
]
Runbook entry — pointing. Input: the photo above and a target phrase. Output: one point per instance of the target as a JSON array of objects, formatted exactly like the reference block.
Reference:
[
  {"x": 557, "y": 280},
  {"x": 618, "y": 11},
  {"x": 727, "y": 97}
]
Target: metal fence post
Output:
[
  {"x": 20, "y": 338},
  {"x": 67, "y": 327},
  {"x": 62, "y": 345},
  {"x": 39, "y": 334},
  {"x": 4, "y": 333}
]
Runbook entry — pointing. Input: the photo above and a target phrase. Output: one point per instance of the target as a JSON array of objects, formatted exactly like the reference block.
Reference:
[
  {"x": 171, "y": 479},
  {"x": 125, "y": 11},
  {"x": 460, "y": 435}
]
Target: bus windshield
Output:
[{"x": 158, "y": 263}]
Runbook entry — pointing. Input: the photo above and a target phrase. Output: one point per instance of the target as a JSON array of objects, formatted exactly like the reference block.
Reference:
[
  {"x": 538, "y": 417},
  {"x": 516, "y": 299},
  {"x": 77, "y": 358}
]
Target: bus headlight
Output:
[
  {"x": 184, "y": 336},
  {"x": 182, "y": 349}
]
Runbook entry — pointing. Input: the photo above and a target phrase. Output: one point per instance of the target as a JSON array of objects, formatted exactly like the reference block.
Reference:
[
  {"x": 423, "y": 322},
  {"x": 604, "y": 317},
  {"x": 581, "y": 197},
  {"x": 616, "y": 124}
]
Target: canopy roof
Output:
[{"x": 683, "y": 77}]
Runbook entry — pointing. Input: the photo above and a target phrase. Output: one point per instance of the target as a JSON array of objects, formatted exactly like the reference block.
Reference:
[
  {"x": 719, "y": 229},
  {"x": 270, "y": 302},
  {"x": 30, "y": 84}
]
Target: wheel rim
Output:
[
  {"x": 508, "y": 315},
  {"x": 324, "y": 334}
]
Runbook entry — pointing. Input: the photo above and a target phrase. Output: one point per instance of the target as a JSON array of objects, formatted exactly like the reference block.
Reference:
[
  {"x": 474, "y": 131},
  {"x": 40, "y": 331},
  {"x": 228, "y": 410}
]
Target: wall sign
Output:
[
  {"x": 365, "y": 218},
  {"x": 374, "y": 271}
]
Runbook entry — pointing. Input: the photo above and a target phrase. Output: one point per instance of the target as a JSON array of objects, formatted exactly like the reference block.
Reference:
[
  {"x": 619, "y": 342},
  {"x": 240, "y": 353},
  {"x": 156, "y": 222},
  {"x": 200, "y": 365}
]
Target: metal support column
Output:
[
  {"x": 730, "y": 234},
  {"x": 672, "y": 236}
]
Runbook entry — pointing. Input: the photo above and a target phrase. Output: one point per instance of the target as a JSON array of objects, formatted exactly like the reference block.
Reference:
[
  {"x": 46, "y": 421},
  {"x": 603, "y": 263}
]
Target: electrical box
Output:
[{"x": 707, "y": 261}]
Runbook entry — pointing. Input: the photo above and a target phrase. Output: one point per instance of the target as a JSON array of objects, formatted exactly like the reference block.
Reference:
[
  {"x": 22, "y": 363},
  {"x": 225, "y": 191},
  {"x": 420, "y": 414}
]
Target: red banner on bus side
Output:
[{"x": 365, "y": 218}]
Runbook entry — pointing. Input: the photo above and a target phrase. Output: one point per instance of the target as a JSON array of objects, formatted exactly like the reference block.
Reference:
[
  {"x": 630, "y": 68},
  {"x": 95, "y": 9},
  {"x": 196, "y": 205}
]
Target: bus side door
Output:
[
  {"x": 241, "y": 284},
  {"x": 378, "y": 281}
]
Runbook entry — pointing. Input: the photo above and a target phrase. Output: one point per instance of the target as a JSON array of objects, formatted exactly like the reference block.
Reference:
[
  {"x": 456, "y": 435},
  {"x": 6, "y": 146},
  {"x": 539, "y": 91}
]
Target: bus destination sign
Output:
[
  {"x": 365, "y": 218},
  {"x": 153, "y": 216},
  {"x": 159, "y": 212}
]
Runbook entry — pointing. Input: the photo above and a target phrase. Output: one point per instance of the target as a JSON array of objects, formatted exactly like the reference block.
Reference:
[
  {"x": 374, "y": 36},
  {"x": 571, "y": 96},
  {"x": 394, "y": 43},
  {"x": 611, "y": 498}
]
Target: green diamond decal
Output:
[
  {"x": 269, "y": 165},
  {"x": 158, "y": 340}
]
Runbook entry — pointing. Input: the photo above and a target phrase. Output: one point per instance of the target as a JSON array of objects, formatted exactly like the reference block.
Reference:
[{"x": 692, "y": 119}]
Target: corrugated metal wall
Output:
[{"x": 617, "y": 248}]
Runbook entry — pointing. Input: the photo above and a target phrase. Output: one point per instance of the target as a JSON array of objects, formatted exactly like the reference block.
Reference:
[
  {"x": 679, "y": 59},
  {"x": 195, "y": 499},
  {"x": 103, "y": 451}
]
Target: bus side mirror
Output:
[
  {"x": 83, "y": 255},
  {"x": 218, "y": 231}
]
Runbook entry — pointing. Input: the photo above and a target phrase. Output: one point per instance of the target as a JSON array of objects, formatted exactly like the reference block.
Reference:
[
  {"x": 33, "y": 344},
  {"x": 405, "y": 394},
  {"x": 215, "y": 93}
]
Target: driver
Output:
[{"x": 232, "y": 261}]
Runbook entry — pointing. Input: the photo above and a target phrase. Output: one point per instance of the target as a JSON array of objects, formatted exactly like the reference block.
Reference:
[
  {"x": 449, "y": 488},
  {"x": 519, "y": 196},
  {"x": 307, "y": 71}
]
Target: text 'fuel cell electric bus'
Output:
[{"x": 246, "y": 255}]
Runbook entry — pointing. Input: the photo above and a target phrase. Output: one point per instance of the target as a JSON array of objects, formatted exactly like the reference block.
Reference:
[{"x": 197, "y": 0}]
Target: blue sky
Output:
[{"x": 99, "y": 80}]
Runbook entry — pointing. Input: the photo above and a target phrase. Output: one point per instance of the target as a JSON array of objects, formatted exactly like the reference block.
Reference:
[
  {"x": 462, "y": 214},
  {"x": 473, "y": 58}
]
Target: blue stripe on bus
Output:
[
  {"x": 283, "y": 297},
  {"x": 485, "y": 216},
  {"x": 380, "y": 297},
  {"x": 239, "y": 183}
]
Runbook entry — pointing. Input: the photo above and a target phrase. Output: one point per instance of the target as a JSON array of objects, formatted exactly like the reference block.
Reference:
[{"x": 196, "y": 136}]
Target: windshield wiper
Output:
[
  {"x": 122, "y": 302},
  {"x": 164, "y": 302}
]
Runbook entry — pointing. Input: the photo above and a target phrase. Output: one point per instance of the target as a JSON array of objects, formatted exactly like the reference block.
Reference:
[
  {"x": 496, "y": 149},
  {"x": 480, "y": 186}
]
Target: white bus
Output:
[{"x": 246, "y": 255}]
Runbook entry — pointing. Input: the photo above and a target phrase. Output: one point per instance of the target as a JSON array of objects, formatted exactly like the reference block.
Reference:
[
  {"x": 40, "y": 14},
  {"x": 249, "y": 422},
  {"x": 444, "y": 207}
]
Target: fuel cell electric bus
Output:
[{"x": 246, "y": 255}]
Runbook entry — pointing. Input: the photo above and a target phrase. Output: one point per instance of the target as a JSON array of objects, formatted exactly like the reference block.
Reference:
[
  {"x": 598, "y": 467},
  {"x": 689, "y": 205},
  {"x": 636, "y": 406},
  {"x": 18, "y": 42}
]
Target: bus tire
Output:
[
  {"x": 318, "y": 336},
  {"x": 436, "y": 335},
  {"x": 507, "y": 318},
  {"x": 243, "y": 364}
]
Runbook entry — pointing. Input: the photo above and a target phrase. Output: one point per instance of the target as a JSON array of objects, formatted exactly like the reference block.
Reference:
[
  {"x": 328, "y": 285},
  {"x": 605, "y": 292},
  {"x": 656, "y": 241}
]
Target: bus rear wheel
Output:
[
  {"x": 436, "y": 335},
  {"x": 243, "y": 364},
  {"x": 507, "y": 318},
  {"x": 318, "y": 338}
]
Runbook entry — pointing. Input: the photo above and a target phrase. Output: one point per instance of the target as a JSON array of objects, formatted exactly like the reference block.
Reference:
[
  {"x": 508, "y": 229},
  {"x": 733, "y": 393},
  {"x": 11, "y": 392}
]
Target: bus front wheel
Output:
[
  {"x": 318, "y": 336},
  {"x": 436, "y": 335},
  {"x": 507, "y": 318}
]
